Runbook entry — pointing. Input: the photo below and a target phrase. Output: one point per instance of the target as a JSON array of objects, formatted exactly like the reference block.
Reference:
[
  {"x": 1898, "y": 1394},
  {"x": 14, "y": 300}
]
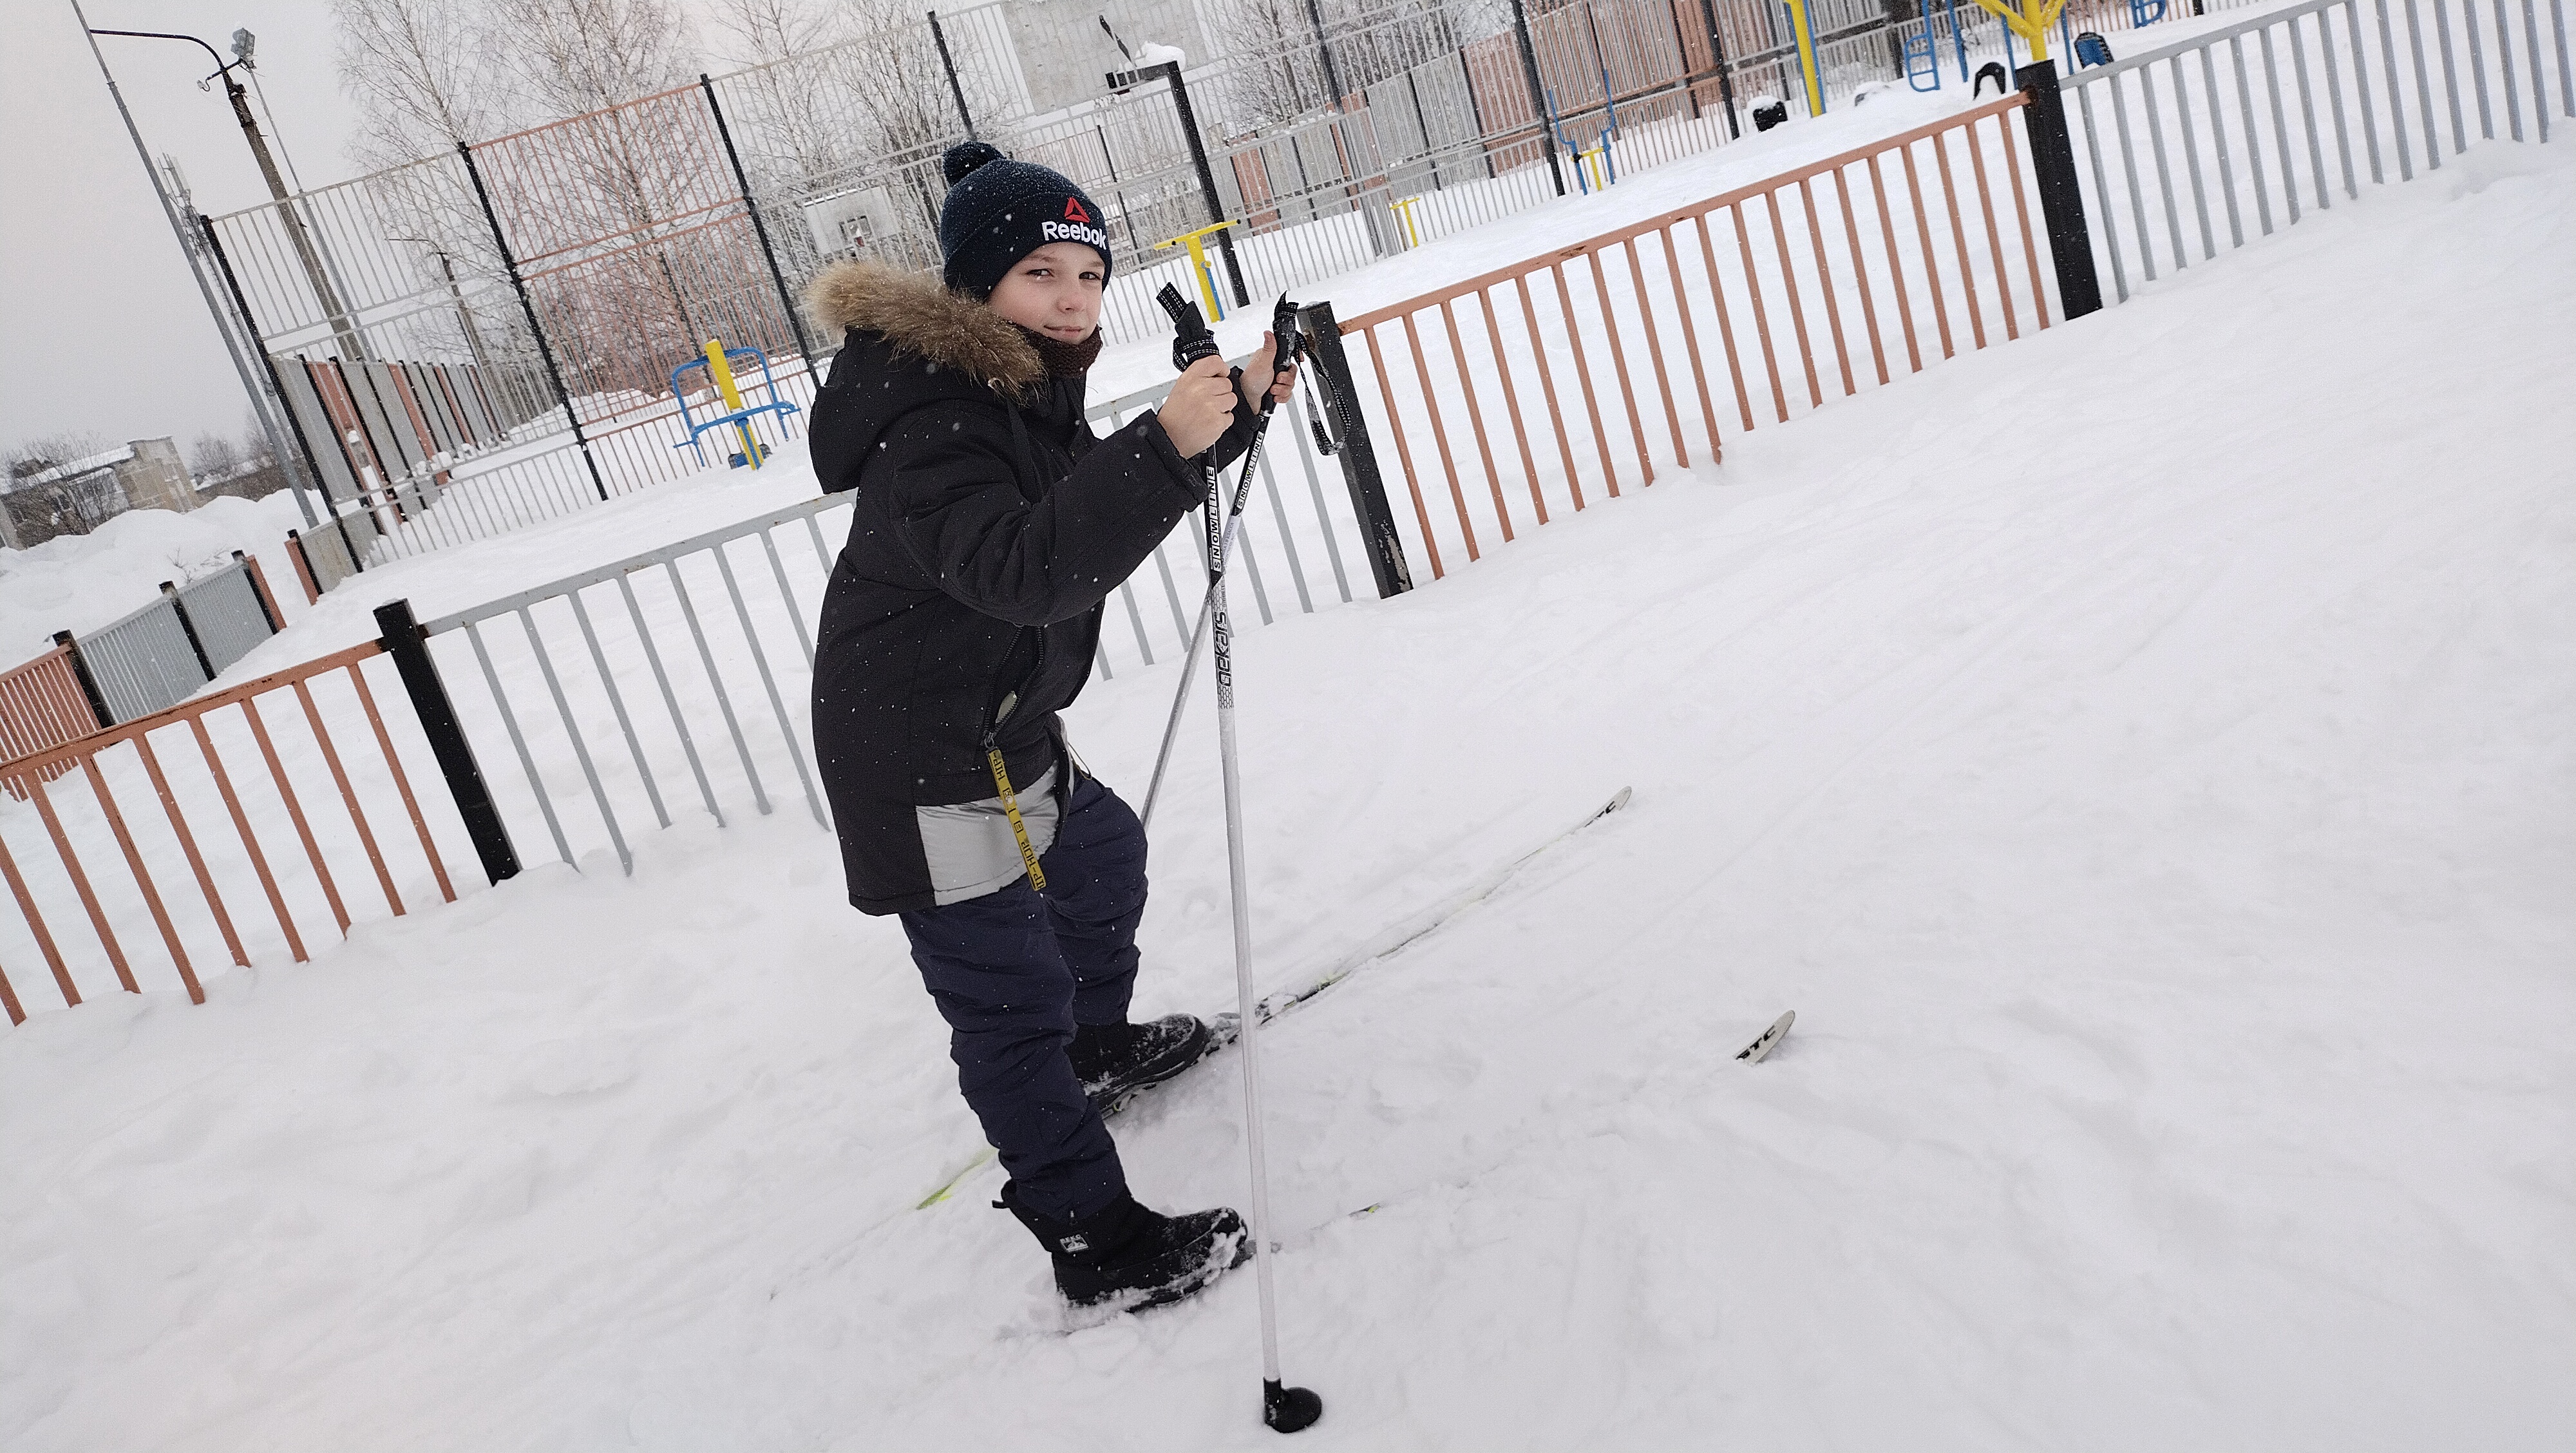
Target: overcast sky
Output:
[{"x": 100, "y": 327}]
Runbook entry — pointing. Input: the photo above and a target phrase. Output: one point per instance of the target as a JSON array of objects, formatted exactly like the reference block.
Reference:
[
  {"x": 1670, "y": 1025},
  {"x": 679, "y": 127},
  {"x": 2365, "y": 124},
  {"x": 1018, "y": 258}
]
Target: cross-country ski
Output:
[{"x": 1768, "y": 1040}]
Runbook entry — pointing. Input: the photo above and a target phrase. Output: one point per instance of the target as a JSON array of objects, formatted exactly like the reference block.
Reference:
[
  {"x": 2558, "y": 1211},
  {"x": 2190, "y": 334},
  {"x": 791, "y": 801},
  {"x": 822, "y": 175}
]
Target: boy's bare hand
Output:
[
  {"x": 1258, "y": 368},
  {"x": 1198, "y": 408}
]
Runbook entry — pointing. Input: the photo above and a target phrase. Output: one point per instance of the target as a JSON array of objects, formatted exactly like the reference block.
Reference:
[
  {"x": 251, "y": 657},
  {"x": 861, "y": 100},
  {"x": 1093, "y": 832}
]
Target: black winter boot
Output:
[
  {"x": 1133, "y": 1256},
  {"x": 1112, "y": 1059}
]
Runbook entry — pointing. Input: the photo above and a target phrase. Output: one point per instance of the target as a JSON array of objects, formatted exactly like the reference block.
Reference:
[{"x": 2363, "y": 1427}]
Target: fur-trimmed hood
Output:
[{"x": 917, "y": 316}]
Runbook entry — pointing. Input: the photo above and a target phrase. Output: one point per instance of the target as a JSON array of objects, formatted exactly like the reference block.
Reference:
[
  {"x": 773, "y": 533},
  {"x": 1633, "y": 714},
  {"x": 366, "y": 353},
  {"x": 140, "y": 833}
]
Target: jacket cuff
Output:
[{"x": 1176, "y": 466}]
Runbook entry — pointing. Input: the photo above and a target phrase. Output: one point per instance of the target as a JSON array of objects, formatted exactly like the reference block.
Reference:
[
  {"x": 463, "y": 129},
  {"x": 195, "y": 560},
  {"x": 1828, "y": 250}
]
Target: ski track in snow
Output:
[{"x": 2138, "y": 753}]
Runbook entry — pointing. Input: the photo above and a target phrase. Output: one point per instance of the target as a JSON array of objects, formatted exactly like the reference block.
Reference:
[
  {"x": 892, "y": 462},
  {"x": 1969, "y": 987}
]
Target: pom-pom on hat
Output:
[{"x": 999, "y": 211}]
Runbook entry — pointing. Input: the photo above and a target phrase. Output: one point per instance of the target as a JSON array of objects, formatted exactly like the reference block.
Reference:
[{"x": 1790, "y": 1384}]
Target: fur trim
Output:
[{"x": 916, "y": 314}]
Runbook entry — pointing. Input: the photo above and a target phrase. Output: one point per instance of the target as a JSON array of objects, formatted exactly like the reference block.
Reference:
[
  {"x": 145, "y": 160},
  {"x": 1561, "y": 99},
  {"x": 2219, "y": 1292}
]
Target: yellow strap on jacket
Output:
[{"x": 1011, "y": 809}]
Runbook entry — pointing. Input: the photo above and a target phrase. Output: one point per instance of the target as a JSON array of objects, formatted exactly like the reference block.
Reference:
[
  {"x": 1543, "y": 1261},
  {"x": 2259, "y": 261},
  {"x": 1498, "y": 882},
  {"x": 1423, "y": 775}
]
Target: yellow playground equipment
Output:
[
  {"x": 1403, "y": 208},
  {"x": 1196, "y": 242},
  {"x": 717, "y": 362}
]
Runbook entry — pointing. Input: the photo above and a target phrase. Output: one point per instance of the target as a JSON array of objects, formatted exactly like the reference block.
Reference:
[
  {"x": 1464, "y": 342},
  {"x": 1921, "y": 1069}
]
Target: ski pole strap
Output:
[{"x": 1011, "y": 810}]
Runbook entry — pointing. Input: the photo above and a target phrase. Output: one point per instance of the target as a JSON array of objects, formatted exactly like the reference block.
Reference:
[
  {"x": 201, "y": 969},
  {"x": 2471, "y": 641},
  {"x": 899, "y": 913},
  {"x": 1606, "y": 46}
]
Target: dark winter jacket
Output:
[{"x": 989, "y": 524}]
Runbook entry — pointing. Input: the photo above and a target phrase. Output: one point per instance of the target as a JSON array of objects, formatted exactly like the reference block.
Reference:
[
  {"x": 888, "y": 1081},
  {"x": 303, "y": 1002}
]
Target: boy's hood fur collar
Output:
[{"x": 916, "y": 314}]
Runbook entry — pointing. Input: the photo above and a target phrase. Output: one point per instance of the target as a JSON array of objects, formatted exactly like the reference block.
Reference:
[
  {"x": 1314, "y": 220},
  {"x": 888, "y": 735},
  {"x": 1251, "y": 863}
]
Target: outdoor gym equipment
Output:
[
  {"x": 718, "y": 366},
  {"x": 1196, "y": 241}
]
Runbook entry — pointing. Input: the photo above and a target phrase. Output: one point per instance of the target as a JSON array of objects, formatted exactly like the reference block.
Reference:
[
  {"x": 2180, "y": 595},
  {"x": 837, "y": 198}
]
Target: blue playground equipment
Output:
[
  {"x": 2143, "y": 13},
  {"x": 745, "y": 417},
  {"x": 1922, "y": 63},
  {"x": 1595, "y": 167},
  {"x": 1923, "y": 66}
]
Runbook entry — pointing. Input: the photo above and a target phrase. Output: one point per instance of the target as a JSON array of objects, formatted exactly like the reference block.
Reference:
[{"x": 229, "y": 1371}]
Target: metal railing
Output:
[
  {"x": 626, "y": 693},
  {"x": 1921, "y": 242},
  {"x": 473, "y": 342},
  {"x": 2223, "y": 139},
  {"x": 54, "y": 848},
  {"x": 1751, "y": 307}
]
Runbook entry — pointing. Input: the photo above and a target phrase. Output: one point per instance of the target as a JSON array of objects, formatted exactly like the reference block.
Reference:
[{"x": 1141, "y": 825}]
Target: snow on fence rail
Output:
[{"x": 2221, "y": 139}]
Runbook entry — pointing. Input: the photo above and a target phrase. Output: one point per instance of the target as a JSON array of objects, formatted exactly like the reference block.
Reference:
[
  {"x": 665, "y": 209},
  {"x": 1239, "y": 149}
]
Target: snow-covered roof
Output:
[{"x": 75, "y": 469}]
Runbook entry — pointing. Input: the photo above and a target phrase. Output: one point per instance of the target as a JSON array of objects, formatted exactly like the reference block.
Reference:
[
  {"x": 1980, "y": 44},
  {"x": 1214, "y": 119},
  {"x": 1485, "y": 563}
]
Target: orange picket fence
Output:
[{"x": 1905, "y": 238}]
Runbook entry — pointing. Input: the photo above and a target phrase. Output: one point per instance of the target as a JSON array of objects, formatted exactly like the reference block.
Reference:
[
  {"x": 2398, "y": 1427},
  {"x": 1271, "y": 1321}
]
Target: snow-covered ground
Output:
[{"x": 2138, "y": 753}]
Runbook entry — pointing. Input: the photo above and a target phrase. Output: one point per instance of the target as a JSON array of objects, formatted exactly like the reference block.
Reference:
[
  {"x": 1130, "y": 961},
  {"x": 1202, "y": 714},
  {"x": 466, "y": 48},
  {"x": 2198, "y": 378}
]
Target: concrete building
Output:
[{"x": 77, "y": 497}]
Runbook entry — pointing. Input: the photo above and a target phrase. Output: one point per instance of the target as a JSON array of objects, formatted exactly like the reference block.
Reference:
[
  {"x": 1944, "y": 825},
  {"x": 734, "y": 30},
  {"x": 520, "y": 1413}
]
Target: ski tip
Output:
[
  {"x": 1769, "y": 1040},
  {"x": 1618, "y": 799}
]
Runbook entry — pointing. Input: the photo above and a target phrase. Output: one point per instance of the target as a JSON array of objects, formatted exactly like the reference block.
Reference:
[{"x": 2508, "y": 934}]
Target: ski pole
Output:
[
  {"x": 1286, "y": 1409},
  {"x": 1287, "y": 346}
]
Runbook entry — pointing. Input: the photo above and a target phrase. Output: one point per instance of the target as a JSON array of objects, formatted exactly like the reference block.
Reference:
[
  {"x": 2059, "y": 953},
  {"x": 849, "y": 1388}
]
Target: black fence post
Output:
[
  {"x": 1717, "y": 58},
  {"x": 536, "y": 330},
  {"x": 760, "y": 229},
  {"x": 2061, "y": 200},
  {"x": 258, "y": 579},
  {"x": 404, "y": 641},
  {"x": 1538, "y": 95},
  {"x": 1324, "y": 48},
  {"x": 188, "y": 628},
  {"x": 88, "y": 683},
  {"x": 1207, "y": 179},
  {"x": 312, "y": 463},
  {"x": 1359, "y": 459},
  {"x": 956, "y": 92}
]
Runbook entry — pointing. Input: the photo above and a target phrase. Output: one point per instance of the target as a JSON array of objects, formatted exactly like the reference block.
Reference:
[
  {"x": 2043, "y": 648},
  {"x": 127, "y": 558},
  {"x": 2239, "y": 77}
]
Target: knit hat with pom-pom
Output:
[{"x": 999, "y": 211}]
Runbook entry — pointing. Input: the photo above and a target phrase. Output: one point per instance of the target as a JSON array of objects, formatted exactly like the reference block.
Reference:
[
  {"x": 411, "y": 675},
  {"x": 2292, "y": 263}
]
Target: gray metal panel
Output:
[
  {"x": 143, "y": 663},
  {"x": 225, "y": 609},
  {"x": 326, "y": 551},
  {"x": 398, "y": 446},
  {"x": 337, "y": 480},
  {"x": 434, "y": 407}
]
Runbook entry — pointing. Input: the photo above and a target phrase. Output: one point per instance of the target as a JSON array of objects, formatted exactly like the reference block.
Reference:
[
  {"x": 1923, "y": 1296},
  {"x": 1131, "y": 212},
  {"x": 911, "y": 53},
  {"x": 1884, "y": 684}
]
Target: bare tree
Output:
[
  {"x": 422, "y": 75},
  {"x": 254, "y": 437},
  {"x": 38, "y": 453},
  {"x": 799, "y": 59},
  {"x": 214, "y": 457},
  {"x": 43, "y": 508},
  {"x": 573, "y": 56},
  {"x": 756, "y": 32},
  {"x": 1278, "y": 74}
]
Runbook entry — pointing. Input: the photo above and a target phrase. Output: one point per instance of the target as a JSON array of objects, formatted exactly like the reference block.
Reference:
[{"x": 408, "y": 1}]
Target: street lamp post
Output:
[
  {"x": 188, "y": 246},
  {"x": 352, "y": 345}
]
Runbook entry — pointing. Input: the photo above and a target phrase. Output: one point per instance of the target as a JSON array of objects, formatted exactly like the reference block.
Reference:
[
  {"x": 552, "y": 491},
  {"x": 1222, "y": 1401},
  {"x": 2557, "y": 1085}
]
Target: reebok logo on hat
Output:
[{"x": 1073, "y": 210}]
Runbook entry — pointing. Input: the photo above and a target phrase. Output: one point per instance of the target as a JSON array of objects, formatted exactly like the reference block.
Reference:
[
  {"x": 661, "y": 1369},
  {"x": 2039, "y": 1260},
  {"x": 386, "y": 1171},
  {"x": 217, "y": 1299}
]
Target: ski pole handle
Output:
[
  {"x": 1288, "y": 343},
  {"x": 1191, "y": 340}
]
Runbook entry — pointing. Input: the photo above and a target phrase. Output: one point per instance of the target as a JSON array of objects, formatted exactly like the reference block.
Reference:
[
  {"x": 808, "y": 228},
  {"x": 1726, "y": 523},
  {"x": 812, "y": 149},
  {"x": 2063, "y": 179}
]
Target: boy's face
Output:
[{"x": 1054, "y": 290}]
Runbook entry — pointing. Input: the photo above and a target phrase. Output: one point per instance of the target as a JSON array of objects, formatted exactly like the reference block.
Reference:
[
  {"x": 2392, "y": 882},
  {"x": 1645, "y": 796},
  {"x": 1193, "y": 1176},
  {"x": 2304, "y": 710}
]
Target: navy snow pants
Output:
[{"x": 1014, "y": 971}]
